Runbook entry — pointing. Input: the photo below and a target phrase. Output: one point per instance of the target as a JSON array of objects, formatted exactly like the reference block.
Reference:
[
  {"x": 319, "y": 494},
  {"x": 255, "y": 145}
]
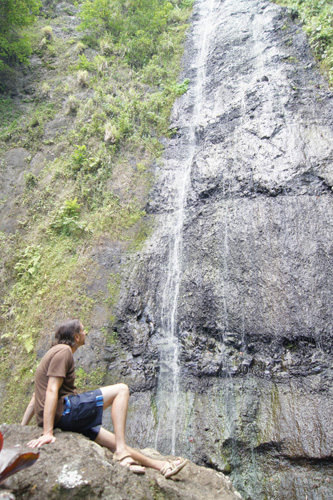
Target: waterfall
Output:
[
  {"x": 179, "y": 180},
  {"x": 238, "y": 281}
]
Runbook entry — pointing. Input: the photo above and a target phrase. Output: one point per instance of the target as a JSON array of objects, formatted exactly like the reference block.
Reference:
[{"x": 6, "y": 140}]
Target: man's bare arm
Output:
[
  {"x": 29, "y": 412},
  {"x": 50, "y": 408}
]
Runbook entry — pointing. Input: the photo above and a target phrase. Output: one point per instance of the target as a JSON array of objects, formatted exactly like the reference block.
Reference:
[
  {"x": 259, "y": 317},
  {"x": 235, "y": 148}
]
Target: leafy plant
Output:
[
  {"x": 14, "y": 15},
  {"x": 91, "y": 380},
  {"x": 84, "y": 63},
  {"x": 317, "y": 18},
  {"x": 27, "y": 265},
  {"x": 80, "y": 48},
  {"x": 106, "y": 46},
  {"x": 26, "y": 338},
  {"x": 112, "y": 134},
  {"x": 180, "y": 88},
  {"x": 79, "y": 156},
  {"x": 136, "y": 25},
  {"x": 66, "y": 221},
  {"x": 48, "y": 32},
  {"x": 30, "y": 180},
  {"x": 102, "y": 15},
  {"x": 101, "y": 63},
  {"x": 72, "y": 104},
  {"x": 12, "y": 461}
]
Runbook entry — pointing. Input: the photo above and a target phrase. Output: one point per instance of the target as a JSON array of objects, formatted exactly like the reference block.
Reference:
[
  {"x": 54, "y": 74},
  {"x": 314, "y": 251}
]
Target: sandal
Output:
[
  {"x": 127, "y": 461},
  {"x": 173, "y": 467}
]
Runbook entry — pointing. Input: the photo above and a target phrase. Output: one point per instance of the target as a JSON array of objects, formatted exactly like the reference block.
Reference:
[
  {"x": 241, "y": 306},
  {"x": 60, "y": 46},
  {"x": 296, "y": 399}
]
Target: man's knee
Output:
[
  {"x": 113, "y": 390},
  {"x": 123, "y": 388},
  {"x": 118, "y": 387}
]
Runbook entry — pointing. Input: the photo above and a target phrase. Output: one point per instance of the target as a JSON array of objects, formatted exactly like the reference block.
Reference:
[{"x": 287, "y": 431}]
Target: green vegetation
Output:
[
  {"x": 317, "y": 18},
  {"x": 15, "y": 15},
  {"x": 90, "y": 380},
  {"x": 91, "y": 127},
  {"x": 136, "y": 28},
  {"x": 66, "y": 220}
]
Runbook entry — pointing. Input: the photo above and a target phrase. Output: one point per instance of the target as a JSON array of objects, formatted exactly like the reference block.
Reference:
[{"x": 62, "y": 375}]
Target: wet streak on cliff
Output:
[{"x": 255, "y": 287}]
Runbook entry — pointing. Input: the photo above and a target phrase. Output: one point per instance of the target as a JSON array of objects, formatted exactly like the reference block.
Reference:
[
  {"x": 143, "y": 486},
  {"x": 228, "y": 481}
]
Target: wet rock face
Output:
[
  {"x": 74, "y": 467},
  {"x": 239, "y": 267}
]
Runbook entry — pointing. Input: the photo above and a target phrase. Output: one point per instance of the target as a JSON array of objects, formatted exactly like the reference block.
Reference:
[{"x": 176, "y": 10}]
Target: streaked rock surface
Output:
[{"x": 226, "y": 321}]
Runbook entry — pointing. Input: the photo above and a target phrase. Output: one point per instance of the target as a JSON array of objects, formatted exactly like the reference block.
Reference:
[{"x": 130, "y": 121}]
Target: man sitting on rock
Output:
[{"x": 57, "y": 404}]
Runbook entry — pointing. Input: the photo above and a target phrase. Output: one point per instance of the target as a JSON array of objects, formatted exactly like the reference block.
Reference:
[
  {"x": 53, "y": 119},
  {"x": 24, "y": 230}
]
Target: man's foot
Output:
[
  {"x": 127, "y": 461},
  {"x": 172, "y": 467}
]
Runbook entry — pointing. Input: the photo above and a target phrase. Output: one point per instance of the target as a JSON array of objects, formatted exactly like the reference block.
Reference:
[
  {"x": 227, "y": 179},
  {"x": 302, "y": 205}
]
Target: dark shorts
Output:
[{"x": 83, "y": 413}]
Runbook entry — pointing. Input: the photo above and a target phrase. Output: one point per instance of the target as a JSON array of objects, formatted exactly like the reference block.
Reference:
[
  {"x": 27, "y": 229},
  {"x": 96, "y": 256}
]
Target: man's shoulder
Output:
[
  {"x": 57, "y": 357},
  {"x": 64, "y": 349},
  {"x": 61, "y": 347}
]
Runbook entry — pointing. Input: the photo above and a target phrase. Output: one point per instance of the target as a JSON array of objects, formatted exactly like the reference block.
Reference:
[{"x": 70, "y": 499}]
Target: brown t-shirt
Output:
[{"x": 57, "y": 362}]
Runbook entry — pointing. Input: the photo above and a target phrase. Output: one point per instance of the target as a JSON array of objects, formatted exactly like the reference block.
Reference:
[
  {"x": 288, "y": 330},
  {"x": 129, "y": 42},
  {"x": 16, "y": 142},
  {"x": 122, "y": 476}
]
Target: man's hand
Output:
[
  {"x": 44, "y": 439},
  {"x": 50, "y": 407}
]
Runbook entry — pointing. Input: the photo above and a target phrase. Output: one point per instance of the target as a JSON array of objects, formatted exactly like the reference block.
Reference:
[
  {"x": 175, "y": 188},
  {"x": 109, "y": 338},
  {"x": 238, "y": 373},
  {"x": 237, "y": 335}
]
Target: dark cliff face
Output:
[{"x": 226, "y": 323}]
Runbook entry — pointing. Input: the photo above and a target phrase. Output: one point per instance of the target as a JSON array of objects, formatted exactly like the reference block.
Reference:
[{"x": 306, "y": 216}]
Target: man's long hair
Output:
[{"x": 66, "y": 331}]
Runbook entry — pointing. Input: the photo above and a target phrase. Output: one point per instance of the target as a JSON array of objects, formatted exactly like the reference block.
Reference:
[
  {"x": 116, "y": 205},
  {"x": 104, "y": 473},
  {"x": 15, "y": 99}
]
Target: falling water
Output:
[
  {"x": 168, "y": 387},
  {"x": 242, "y": 251}
]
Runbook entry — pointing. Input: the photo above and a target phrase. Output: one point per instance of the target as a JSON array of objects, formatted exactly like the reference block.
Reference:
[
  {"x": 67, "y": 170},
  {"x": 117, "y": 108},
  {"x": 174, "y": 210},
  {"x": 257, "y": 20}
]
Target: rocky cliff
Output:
[
  {"x": 226, "y": 322},
  {"x": 221, "y": 323}
]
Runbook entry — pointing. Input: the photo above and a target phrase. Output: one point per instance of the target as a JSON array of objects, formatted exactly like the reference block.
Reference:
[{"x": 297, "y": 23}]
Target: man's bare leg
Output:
[
  {"x": 117, "y": 395},
  {"x": 108, "y": 440}
]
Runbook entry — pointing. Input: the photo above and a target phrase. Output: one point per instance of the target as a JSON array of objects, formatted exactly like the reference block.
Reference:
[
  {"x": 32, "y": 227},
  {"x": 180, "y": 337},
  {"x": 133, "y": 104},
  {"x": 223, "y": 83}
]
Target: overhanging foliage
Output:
[{"x": 15, "y": 15}]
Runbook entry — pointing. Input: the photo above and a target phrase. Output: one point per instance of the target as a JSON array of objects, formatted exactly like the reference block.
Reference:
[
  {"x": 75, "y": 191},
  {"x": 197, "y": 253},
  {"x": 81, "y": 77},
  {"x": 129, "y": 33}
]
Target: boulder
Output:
[{"x": 74, "y": 467}]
